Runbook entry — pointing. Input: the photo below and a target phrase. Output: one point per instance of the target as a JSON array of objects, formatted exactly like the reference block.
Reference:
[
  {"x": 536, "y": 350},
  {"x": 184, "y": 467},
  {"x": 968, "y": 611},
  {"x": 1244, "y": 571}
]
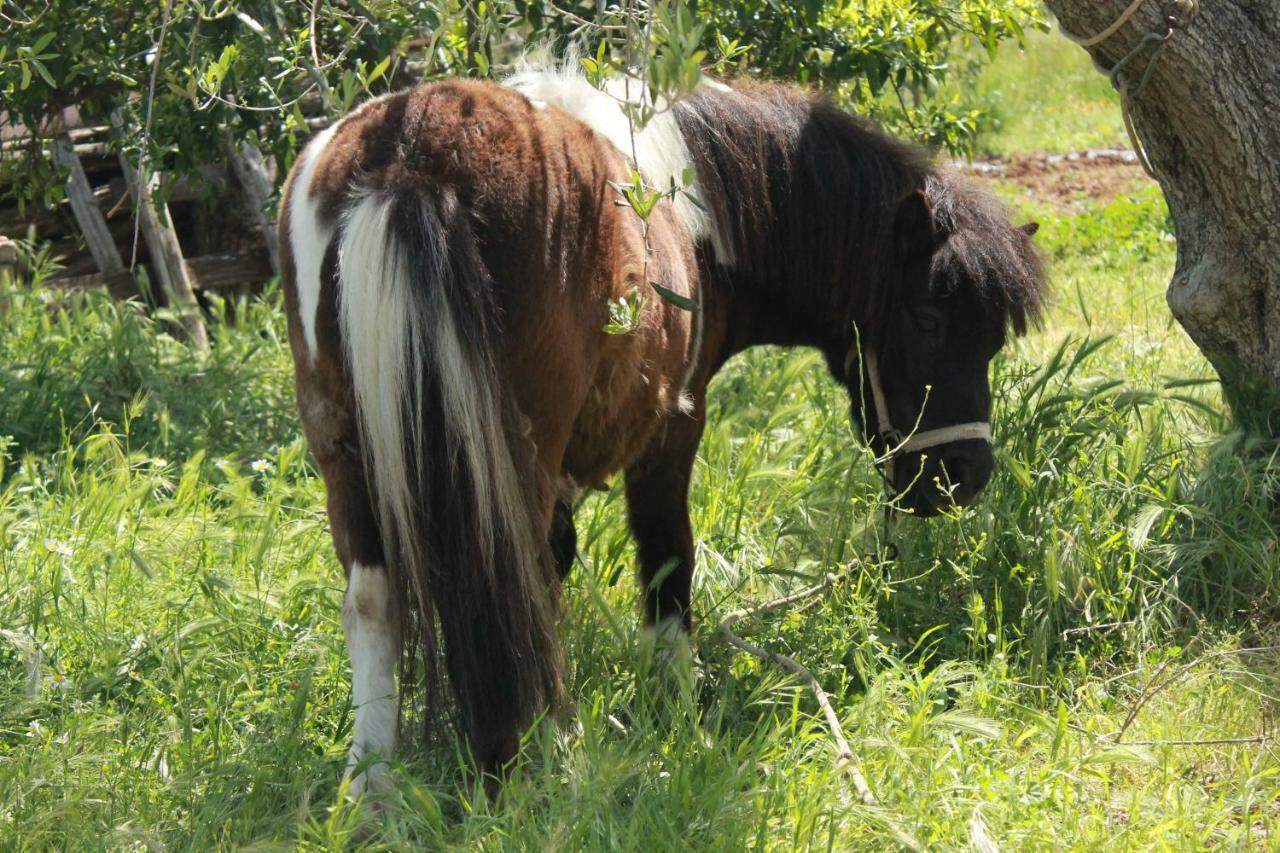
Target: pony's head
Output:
[{"x": 965, "y": 279}]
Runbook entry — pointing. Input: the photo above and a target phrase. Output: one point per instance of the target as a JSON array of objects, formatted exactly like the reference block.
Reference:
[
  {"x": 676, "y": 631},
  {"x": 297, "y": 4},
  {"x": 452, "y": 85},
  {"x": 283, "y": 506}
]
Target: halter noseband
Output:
[{"x": 895, "y": 441}]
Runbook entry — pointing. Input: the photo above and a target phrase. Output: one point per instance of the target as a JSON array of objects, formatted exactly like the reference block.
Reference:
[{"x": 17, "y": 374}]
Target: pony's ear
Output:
[
  {"x": 914, "y": 227},
  {"x": 1029, "y": 228}
]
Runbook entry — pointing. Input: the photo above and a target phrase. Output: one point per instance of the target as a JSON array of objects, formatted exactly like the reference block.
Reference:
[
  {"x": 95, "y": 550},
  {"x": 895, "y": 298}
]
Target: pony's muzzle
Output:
[{"x": 944, "y": 477}]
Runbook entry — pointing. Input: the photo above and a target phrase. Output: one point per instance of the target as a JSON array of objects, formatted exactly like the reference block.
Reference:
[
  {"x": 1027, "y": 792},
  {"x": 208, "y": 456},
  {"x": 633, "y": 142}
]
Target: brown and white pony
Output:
[{"x": 449, "y": 254}]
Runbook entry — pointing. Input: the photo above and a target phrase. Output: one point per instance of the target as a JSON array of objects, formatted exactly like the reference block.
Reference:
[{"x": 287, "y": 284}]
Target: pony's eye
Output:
[{"x": 928, "y": 323}]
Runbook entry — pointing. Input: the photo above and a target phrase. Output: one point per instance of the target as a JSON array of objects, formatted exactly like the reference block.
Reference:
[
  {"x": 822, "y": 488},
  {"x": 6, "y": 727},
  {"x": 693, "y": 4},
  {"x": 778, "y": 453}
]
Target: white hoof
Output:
[
  {"x": 374, "y": 780},
  {"x": 666, "y": 641},
  {"x": 667, "y": 649}
]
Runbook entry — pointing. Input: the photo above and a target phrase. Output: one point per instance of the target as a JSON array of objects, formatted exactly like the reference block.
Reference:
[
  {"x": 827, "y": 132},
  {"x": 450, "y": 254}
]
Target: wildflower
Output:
[
  {"x": 157, "y": 462},
  {"x": 55, "y": 546},
  {"x": 60, "y": 681},
  {"x": 260, "y": 466}
]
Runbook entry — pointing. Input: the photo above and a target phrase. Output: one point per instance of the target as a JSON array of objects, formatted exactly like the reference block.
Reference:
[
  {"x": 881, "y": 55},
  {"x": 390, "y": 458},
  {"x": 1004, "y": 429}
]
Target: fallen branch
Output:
[
  {"x": 1154, "y": 685},
  {"x": 846, "y": 762},
  {"x": 1089, "y": 629},
  {"x": 1213, "y": 741}
]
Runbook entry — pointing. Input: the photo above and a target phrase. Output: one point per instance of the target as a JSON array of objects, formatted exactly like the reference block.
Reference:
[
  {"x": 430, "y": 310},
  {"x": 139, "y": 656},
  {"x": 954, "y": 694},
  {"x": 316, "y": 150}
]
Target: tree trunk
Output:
[
  {"x": 251, "y": 173},
  {"x": 162, "y": 243},
  {"x": 1207, "y": 119}
]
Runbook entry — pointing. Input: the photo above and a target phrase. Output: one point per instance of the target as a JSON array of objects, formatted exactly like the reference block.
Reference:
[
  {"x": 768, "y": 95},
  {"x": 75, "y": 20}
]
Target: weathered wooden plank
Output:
[
  {"x": 89, "y": 218},
  {"x": 206, "y": 272},
  {"x": 50, "y": 223},
  {"x": 23, "y": 140},
  {"x": 230, "y": 269}
]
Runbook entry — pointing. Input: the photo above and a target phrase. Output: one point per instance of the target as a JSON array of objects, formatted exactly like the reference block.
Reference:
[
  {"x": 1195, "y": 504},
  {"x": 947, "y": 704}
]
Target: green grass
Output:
[
  {"x": 1068, "y": 664},
  {"x": 1047, "y": 97},
  {"x": 173, "y": 675}
]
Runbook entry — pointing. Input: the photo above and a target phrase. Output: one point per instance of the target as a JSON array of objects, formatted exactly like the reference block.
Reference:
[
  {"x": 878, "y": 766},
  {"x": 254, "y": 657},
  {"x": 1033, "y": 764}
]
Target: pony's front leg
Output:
[
  {"x": 658, "y": 507},
  {"x": 563, "y": 537}
]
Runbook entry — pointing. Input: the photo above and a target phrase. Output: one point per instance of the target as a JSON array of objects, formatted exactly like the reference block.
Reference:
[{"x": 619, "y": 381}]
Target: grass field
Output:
[
  {"x": 1086, "y": 657},
  {"x": 1046, "y": 97}
]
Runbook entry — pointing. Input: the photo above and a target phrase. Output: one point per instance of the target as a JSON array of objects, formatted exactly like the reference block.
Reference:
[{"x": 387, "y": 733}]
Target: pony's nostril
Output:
[
  {"x": 964, "y": 473},
  {"x": 958, "y": 471}
]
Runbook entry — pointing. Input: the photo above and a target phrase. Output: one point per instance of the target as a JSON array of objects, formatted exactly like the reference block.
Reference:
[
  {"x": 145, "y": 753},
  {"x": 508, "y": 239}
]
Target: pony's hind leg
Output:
[
  {"x": 369, "y": 611},
  {"x": 369, "y": 623},
  {"x": 326, "y": 404}
]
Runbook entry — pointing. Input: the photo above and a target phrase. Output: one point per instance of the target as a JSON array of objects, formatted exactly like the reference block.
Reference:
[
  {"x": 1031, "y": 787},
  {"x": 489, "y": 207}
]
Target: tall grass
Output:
[
  {"x": 1086, "y": 657},
  {"x": 1055, "y": 667}
]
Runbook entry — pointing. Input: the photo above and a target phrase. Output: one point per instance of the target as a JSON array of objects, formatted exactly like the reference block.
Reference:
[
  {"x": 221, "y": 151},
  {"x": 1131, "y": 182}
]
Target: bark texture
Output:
[{"x": 1209, "y": 119}]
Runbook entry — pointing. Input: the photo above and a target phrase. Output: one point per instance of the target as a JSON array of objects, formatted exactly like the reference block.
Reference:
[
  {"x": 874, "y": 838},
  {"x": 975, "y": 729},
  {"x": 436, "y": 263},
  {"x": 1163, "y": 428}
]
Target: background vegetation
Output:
[
  {"x": 1085, "y": 657},
  {"x": 184, "y": 76}
]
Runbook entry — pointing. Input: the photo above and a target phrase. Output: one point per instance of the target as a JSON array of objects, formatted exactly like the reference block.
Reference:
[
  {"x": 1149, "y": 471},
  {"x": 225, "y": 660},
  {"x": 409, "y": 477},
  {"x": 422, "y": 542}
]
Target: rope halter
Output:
[{"x": 895, "y": 441}]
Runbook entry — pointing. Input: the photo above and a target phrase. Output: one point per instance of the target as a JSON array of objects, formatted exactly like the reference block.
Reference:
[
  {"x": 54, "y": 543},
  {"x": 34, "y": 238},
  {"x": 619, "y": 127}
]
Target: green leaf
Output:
[
  {"x": 378, "y": 70},
  {"x": 668, "y": 295},
  {"x": 624, "y": 313}
]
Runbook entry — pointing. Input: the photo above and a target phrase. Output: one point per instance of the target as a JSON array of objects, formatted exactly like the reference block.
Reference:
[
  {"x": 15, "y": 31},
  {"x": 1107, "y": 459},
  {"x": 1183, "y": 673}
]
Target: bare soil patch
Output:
[{"x": 1067, "y": 181}]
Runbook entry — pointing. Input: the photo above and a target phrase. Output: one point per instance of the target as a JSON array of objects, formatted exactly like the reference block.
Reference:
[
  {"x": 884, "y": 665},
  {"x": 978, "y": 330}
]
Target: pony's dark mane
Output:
[{"x": 805, "y": 195}]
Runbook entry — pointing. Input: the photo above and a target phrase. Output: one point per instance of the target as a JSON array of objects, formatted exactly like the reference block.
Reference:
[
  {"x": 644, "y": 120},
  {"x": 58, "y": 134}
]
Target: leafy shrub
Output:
[{"x": 247, "y": 68}]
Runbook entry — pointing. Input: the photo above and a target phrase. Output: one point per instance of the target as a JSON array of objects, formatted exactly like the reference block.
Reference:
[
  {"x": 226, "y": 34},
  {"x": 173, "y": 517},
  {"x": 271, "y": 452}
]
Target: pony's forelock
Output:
[{"x": 985, "y": 251}]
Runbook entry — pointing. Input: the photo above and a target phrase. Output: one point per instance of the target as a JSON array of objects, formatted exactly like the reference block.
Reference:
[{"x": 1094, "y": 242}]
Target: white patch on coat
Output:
[
  {"x": 661, "y": 155},
  {"x": 369, "y": 623},
  {"x": 308, "y": 236}
]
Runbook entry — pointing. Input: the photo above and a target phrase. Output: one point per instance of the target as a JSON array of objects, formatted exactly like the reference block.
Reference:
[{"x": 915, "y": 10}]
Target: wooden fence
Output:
[{"x": 209, "y": 232}]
